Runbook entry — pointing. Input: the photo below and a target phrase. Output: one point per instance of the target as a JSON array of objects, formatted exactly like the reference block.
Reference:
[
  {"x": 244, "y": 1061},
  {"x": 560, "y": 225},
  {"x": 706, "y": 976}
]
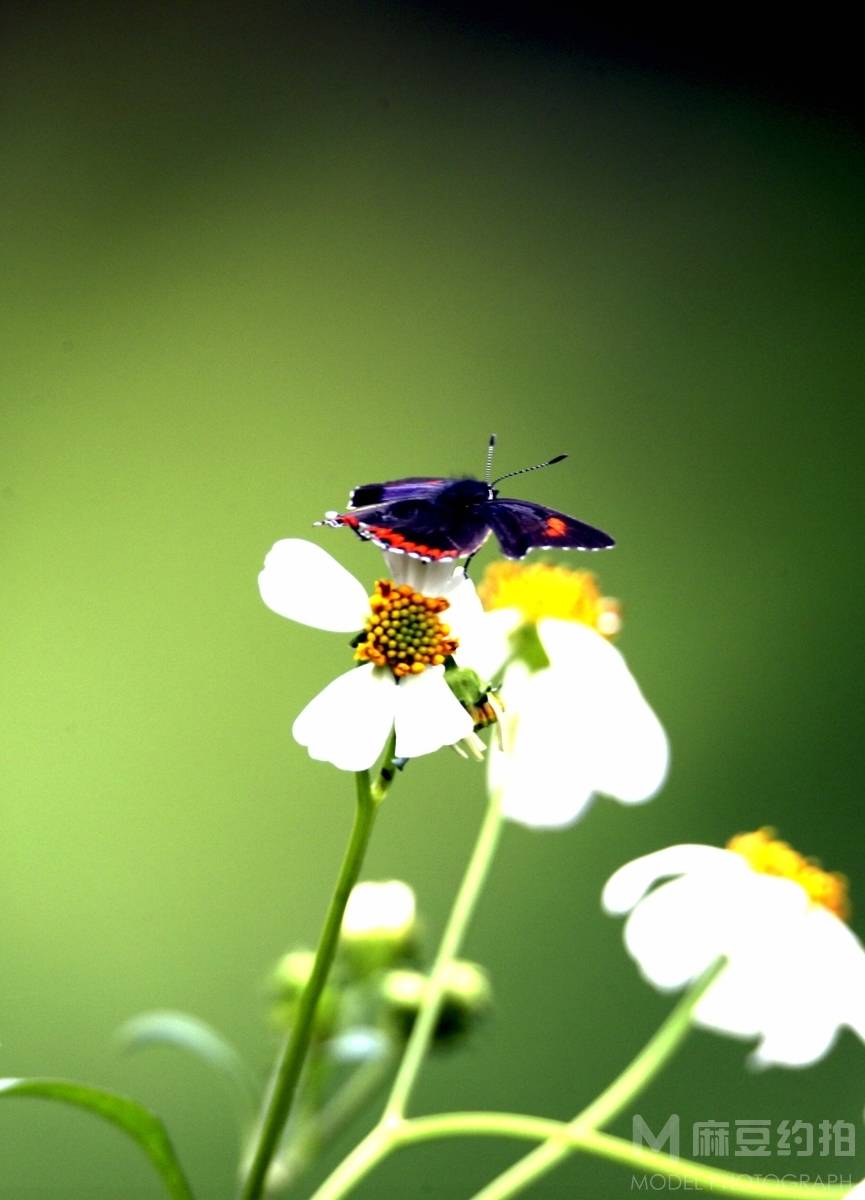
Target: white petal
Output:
[
  {"x": 847, "y": 969},
  {"x": 464, "y": 603},
  {"x": 430, "y": 578},
  {"x": 627, "y": 885},
  {"x": 428, "y": 715},
  {"x": 733, "y": 1003},
  {"x": 765, "y": 991},
  {"x": 306, "y": 584},
  {"x": 485, "y": 646},
  {"x": 398, "y": 566},
  {"x": 536, "y": 774},
  {"x": 348, "y": 723},
  {"x": 810, "y": 983},
  {"x": 718, "y": 907},
  {"x": 528, "y": 800},
  {"x": 797, "y": 1044},
  {"x": 464, "y": 614},
  {"x": 677, "y": 932},
  {"x": 572, "y": 733},
  {"x": 625, "y": 739}
]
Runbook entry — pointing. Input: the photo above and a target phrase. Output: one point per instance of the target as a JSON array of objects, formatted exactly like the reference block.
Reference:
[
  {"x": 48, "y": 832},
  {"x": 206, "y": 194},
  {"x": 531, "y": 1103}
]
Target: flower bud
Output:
[
  {"x": 467, "y": 997},
  {"x": 379, "y": 924},
  {"x": 288, "y": 980}
]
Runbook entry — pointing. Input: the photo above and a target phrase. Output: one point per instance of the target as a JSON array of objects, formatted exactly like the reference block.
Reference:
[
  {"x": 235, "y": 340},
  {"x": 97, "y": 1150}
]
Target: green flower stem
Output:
[
  {"x": 592, "y": 1141},
  {"x": 378, "y": 1144},
  {"x": 461, "y": 914},
  {"x": 352, "y": 1098},
  {"x": 657, "y": 1051},
  {"x": 277, "y": 1104},
  {"x": 320, "y": 1130},
  {"x": 562, "y": 1138},
  {"x": 387, "y": 1133},
  {"x": 367, "y": 1154}
]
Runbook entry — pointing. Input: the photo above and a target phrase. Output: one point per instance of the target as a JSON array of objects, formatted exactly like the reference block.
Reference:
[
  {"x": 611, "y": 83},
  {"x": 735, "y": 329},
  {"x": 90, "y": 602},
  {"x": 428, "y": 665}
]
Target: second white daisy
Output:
[
  {"x": 795, "y": 971},
  {"x": 575, "y": 721}
]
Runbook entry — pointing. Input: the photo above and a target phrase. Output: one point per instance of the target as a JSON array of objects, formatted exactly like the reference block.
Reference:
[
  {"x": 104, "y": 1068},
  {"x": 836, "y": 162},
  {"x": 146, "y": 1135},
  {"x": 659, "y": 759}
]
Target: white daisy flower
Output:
[
  {"x": 795, "y": 972},
  {"x": 403, "y": 648},
  {"x": 575, "y": 722}
]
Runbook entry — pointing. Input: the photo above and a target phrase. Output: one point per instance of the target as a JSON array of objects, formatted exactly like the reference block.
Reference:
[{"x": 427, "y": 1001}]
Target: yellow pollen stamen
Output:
[
  {"x": 767, "y": 854},
  {"x": 403, "y": 631},
  {"x": 540, "y": 590}
]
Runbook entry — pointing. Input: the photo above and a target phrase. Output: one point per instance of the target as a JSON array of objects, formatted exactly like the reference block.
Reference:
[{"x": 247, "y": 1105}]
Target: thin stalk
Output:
[
  {"x": 367, "y": 1154},
  {"x": 386, "y": 1134},
  {"x": 592, "y": 1141},
  {"x": 322, "y": 1129},
  {"x": 612, "y": 1100},
  {"x": 283, "y": 1087},
  {"x": 461, "y": 914}
]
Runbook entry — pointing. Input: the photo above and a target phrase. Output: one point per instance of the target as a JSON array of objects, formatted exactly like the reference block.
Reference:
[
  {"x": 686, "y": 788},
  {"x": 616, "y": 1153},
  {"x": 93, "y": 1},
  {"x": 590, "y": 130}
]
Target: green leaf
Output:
[
  {"x": 143, "y": 1126},
  {"x": 195, "y": 1037}
]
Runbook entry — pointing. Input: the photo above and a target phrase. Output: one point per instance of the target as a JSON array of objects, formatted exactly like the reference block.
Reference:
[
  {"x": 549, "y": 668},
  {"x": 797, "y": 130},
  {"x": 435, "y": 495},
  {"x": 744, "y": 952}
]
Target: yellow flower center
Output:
[
  {"x": 767, "y": 854},
  {"x": 542, "y": 590},
  {"x": 403, "y": 631}
]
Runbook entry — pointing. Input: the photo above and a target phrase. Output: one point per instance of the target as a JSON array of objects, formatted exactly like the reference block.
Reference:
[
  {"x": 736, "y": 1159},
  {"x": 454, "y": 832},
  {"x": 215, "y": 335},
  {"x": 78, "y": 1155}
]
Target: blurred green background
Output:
[{"x": 251, "y": 260}]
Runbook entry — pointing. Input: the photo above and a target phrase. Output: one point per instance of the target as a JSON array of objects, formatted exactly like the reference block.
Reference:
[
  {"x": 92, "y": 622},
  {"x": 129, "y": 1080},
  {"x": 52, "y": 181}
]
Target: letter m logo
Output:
[{"x": 668, "y": 1138}]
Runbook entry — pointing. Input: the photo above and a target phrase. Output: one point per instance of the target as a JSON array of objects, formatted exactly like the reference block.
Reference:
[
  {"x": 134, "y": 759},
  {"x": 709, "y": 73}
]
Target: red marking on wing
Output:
[
  {"x": 391, "y": 538},
  {"x": 427, "y": 551},
  {"x": 555, "y": 527},
  {"x": 384, "y": 534}
]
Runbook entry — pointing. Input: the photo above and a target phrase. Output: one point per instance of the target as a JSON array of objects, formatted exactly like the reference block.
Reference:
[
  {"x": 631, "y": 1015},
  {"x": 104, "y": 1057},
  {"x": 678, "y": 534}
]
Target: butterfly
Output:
[{"x": 440, "y": 520}]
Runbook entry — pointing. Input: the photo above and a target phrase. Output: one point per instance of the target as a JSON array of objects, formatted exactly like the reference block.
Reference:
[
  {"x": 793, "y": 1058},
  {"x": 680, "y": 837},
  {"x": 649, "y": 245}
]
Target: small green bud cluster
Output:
[
  {"x": 466, "y": 998},
  {"x": 377, "y": 983}
]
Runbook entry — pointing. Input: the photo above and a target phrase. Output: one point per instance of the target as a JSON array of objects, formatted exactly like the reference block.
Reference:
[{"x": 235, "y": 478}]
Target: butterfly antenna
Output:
[
  {"x": 537, "y": 467},
  {"x": 490, "y": 451}
]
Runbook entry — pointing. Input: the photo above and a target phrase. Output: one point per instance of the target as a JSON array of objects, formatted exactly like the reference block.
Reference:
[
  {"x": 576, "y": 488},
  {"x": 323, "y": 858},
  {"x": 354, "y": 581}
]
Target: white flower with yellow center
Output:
[
  {"x": 402, "y": 648},
  {"x": 794, "y": 973},
  {"x": 575, "y": 722}
]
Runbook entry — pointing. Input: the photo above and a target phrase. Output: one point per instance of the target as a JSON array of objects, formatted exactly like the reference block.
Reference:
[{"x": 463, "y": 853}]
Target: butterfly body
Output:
[{"x": 441, "y": 520}]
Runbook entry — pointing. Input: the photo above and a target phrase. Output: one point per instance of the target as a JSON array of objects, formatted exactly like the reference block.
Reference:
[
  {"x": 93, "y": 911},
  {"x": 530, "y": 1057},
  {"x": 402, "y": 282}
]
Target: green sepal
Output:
[
  {"x": 527, "y": 647},
  {"x": 466, "y": 686},
  {"x": 143, "y": 1126}
]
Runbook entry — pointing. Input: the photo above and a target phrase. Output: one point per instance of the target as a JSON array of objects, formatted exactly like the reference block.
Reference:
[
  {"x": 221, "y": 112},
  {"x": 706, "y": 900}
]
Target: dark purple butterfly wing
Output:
[
  {"x": 418, "y": 487},
  {"x": 440, "y": 520},
  {"x": 418, "y": 527},
  {"x": 522, "y": 526}
]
